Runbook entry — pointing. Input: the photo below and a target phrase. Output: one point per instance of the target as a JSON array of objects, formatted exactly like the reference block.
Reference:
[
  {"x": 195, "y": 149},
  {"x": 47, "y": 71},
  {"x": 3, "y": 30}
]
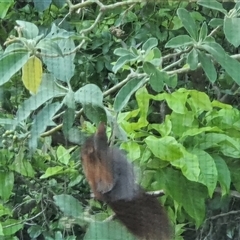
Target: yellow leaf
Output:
[{"x": 32, "y": 74}]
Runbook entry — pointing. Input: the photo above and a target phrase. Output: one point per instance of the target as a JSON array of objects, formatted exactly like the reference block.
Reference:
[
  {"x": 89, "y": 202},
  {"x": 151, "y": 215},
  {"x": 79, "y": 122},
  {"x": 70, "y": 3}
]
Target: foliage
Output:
[{"x": 163, "y": 74}]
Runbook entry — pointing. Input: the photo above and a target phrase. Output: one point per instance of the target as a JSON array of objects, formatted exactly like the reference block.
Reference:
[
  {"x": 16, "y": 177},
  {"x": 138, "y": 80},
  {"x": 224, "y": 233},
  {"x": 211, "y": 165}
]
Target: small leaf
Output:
[
  {"x": 179, "y": 41},
  {"x": 188, "y": 23},
  {"x": 6, "y": 184},
  {"x": 231, "y": 65},
  {"x": 63, "y": 155},
  {"x": 215, "y": 22},
  {"x": 122, "y": 52},
  {"x": 11, "y": 226},
  {"x": 192, "y": 59},
  {"x": 28, "y": 29},
  {"x": 203, "y": 32},
  {"x": 122, "y": 61},
  {"x": 95, "y": 113},
  {"x": 126, "y": 92},
  {"x": 52, "y": 171},
  {"x": 229, "y": 28},
  {"x": 32, "y": 74},
  {"x": 213, "y": 4},
  {"x": 69, "y": 205},
  {"x": 68, "y": 120},
  {"x": 11, "y": 63},
  {"x": 149, "y": 44},
  {"x": 208, "y": 66}
]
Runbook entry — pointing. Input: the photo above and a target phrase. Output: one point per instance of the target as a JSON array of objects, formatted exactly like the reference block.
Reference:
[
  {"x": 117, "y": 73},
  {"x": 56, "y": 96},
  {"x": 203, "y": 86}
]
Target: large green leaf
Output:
[
  {"x": 69, "y": 205},
  {"x": 208, "y": 170},
  {"x": 21, "y": 165},
  {"x": 42, "y": 120},
  {"x": 190, "y": 195},
  {"x": 166, "y": 148},
  {"x": 49, "y": 46},
  {"x": 224, "y": 175},
  {"x": 230, "y": 25},
  {"x": 6, "y": 184},
  {"x": 213, "y": 4},
  {"x": 28, "y": 29},
  {"x": 10, "y": 63},
  {"x": 11, "y": 226},
  {"x": 231, "y": 65},
  {"x": 42, "y": 5},
  {"x": 208, "y": 66},
  {"x": 48, "y": 90},
  {"x": 4, "y": 6},
  {"x": 107, "y": 230},
  {"x": 179, "y": 41},
  {"x": 126, "y": 92},
  {"x": 89, "y": 94},
  {"x": 188, "y": 23}
]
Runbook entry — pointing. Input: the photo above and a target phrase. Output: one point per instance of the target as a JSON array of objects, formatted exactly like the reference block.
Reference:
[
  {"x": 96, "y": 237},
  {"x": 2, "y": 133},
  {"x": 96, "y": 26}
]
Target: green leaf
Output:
[
  {"x": 34, "y": 231},
  {"x": 208, "y": 66},
  {"x": 42, "y": 5},
  {"x": 215, "y": 22},
  {"x": 11, "y": 226},
  {"x": 179, "y": 41},
  {"x": 177, "y": 101},
  {"x": 63, "y": 155},
  {"x": 22, "y": 166},
  {"x": 107, "y": 230},
  {"x": 6, "y": 184},
  {"x": 208, "y": 170},
  {"x": 15, "y": 47},
  {"x": 122, "y": 61},
  {"x": 229, "y": 28},
  {"x": 69, "y": 205},
  {"x": 48, "y": 90},
  {"x": 89, "y": 94},
  {"x": 62, "y": 68},
  {"x": 149, "y": 44},
  {"x": 203, "y": 32},
  {"x": 199, "y": 101},
  {"x": 11, "y": 63},
  {"x": 229, "y": 64},
  {"x": 190, "y": 195},
  {"x": 213, "y": 4},
  {"x": 224, "y": 175},
  {"x": 166, "y": 148},
  {"x": 188, "y": 23},
  {"x": 95, "y": 113},
  {"x": 122, "y": 52},
  {"x": 157, "y": 80},
  {"x": 4, "y": 6},
  {"x": 172, "y": 80},
  {"x": 126, "y": 92},
  {"x": 28, "y": 29},
  {"x": 52, "y": 171},
  {"x": 47, "y": 45},
  {"x": 42, "y": 120},
  {"x": 192, "y": 59},
  {"x": 68, "y": 120}
]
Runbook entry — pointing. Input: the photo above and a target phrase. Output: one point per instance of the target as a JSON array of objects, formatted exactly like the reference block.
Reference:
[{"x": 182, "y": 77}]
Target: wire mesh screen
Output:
[{"x": 119, "y": 120}]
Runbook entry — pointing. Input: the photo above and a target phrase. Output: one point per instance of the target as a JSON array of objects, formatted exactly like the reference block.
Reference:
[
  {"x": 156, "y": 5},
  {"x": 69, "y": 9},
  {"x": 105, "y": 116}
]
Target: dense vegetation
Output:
[{"x": 163, "y": 74}]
